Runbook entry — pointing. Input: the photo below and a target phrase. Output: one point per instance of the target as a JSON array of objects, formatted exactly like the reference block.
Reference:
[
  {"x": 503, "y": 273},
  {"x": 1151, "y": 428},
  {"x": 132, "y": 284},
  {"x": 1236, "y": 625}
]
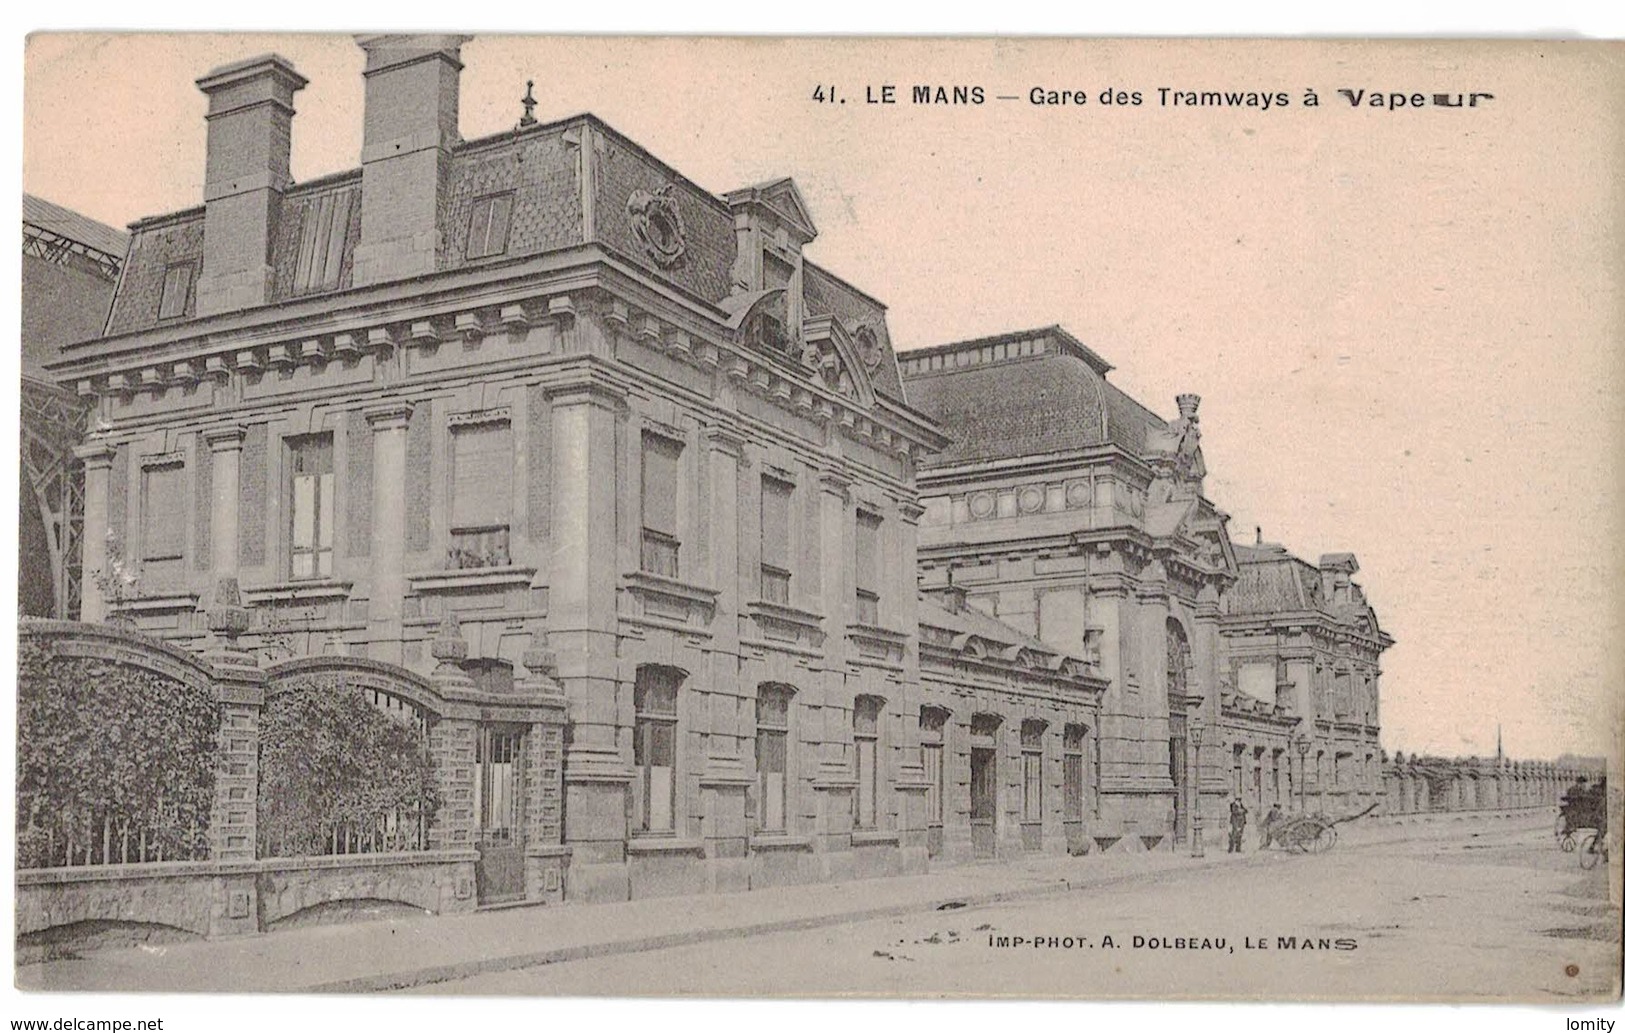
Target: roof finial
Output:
[{"x": 529, "y": 101}]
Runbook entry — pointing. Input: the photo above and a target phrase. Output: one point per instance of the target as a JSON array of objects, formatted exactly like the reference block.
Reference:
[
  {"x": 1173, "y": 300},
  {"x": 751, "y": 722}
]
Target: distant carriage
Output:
[{"x": 1582, "y": 823}]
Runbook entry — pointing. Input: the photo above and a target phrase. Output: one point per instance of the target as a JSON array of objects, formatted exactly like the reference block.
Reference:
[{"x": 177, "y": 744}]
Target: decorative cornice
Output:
[
  {"x": 224, "y": 439},
  {"x": 391, "y": 415}
]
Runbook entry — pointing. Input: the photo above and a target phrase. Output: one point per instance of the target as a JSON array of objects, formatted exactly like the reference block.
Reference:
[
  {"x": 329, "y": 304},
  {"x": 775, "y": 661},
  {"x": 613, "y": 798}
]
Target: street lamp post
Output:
[
  {"x": 1303, "y": 774},
  {"x": 1196, "y": 789}
]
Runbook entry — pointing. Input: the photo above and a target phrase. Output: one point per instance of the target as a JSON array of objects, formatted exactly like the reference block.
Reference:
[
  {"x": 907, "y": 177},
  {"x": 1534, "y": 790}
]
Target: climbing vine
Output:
[
  {"x": 115, "y": 762},
  {"x": 340, "y": 775}
]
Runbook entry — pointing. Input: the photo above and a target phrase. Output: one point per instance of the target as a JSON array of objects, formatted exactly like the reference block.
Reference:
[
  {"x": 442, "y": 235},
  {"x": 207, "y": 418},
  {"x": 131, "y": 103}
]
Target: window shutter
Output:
[
  {"x": 482, "y": 475},
  {"x": 660, "y": 457},
  {"x": 177, "y": 289},
  {"x": 776, "y": 523},
  {"x": 165, "y": 513},
  {"x": 868, "y": 552},
  {"x": 325, "y": 224},
  {"x": 488, "y": 226}
]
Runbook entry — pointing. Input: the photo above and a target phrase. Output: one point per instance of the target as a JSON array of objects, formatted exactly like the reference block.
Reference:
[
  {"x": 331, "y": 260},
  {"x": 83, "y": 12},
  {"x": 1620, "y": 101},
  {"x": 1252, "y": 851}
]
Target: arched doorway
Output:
[{"x": 1179, "y": 662}]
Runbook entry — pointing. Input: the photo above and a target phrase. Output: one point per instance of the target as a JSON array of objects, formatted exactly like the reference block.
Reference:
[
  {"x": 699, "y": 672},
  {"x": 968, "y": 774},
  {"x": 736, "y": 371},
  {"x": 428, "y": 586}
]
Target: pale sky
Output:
[{"x": 1405, "y": 325}]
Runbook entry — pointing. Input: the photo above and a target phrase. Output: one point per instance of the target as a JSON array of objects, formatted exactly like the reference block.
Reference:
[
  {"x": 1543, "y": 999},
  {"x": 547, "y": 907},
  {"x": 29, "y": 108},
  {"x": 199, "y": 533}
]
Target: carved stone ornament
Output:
[
  {"x": 1175, "y": 453},
  {"x": 657, "y": 224},
  {"x": 869, "y": 348}
]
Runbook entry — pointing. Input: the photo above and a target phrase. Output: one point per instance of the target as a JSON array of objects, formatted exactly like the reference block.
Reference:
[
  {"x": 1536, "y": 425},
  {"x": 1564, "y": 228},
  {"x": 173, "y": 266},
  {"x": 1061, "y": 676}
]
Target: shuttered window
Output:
[
  {"x": 933, "y": 724},
  {"x": 654, "y": 749},
  {"x": 661, "y": 540},
  {"x": 324, "y": 224},
  {"x": 866, "y": 760},
  {"x": 177, "y": 291},
  {"x": 163, "y": 532},
  {"x": 1032, "y": 771},
  {"x": 867, "y": 555},
  {"x": 488, "y": 226},
  {"x": 772, "y": 755},
  {"x": 481, "y": 494},
  {"x": 482, "y": 475},
  {"x": 1072, "y": 769},
  {"x": 776, "y": 496}
]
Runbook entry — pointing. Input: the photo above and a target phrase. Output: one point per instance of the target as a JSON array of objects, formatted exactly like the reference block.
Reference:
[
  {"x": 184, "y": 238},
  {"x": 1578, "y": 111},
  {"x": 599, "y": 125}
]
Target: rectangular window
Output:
[
  {"x": 310, "y": 506},
  {"x": 933, "y": 724},
  {"x": 481, "y": 494},
  {"x": 1032, "y": 771},
  {"x": 660, "y": 534},
  {"x": 163, "y": 530},
  {"x": 867, "y": 579},
  {"x": 772, "y": 756},
  {"x": 866, "y": 757},
  {"x": 177, "y": 291},
  {"x": 324, "y": 224},
  {"x": 1072, "y": 773},
  {"x": 488, "y": 226},
  {"x": 654, "y": 750},
  {"x": 776, "y": 496}
]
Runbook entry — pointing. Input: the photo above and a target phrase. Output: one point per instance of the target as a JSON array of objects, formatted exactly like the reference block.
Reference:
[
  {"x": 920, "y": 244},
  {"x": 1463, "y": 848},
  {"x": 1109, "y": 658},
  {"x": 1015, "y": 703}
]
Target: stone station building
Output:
[
  {"x": 536, "y": 410},
  {"x": 693, "y": 582}
]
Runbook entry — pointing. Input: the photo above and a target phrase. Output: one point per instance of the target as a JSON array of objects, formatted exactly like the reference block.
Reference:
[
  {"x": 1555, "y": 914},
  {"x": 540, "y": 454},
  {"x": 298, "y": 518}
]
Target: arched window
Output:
[
  {"x": 772, "y": 755},
  {"x": 1179, "y": 665},
  {"x": 654, "y": 749},
  {"x": 1032, "y": 771},
  {"x": 1073, "y": 767}
]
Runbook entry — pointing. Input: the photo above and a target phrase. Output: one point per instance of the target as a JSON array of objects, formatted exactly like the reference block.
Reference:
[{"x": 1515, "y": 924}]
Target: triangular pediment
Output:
[{"x": 783, "y": 198}]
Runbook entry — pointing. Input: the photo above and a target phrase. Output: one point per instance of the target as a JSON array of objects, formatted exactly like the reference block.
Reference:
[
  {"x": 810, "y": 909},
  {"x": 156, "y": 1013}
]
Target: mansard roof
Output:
[
  {"x": 538, "y": 164},
  {"x": 1271, "y": 580},
  {"x": 1023, "y": 394}
]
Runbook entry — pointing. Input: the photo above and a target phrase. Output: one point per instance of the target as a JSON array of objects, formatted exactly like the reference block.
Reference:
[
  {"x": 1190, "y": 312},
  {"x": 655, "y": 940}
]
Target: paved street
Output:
[
  {"x": 1454, "y": 910},
  {"x": 1451, "y": 908}
]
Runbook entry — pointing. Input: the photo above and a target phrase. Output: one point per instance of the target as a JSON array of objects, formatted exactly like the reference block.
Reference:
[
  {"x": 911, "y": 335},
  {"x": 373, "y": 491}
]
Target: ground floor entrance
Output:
[{"x": 498, "y": 789}]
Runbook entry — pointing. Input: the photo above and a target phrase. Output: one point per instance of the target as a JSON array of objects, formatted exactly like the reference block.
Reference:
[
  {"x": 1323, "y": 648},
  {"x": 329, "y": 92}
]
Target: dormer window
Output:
[
  {"x": 488, "y": 225},
  {"x": 177, "y": 291}
]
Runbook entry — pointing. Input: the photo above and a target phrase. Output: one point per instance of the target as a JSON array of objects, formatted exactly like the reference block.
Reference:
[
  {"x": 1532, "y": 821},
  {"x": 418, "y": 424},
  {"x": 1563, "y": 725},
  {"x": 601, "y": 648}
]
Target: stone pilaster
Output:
[
  {"x": 388, "y": 581},
  {"x": 583, "y": 579},
  {"x": 98, "y": 459},
  {"x": 226, "y": 452}
]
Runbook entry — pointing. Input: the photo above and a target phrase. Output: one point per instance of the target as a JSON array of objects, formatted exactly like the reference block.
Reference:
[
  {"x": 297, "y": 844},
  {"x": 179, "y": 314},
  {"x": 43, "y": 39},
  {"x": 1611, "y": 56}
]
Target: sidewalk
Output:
[{"x": 399, "y": 953}]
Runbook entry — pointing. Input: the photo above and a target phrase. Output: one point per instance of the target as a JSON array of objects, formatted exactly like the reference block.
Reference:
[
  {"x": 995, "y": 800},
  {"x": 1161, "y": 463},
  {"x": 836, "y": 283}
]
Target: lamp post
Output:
[
  {"x": 1196, "y": 789},
  {"x": 1303, "y": 773}
]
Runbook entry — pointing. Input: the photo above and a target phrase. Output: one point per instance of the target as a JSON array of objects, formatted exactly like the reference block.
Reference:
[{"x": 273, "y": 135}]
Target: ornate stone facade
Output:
[
  {"x": 607, "y": 426},
  {"x": 1068, "y": 510}
]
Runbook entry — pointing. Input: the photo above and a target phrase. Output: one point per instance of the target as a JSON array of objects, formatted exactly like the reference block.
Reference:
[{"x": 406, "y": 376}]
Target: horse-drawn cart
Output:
[{"x": 1309, "y": 833}]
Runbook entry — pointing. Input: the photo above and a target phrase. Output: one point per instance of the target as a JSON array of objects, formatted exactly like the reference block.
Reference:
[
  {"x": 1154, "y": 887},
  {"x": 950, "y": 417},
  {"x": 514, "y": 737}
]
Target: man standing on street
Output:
[
  {"x": 1238, "y": 825},
  {"x": 1266, "y": 830}
]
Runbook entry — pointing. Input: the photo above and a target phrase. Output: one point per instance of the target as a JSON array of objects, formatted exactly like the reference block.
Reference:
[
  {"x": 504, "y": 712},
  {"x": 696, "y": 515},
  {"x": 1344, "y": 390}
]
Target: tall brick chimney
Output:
[
  {"x": 409, "y": 129},
  {"x": 250, "y": 132}
]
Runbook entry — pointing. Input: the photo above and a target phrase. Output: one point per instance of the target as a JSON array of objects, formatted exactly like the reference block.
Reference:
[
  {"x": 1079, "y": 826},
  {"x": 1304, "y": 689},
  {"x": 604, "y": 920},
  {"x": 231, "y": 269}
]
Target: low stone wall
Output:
[{"x": 63, "y": 910}]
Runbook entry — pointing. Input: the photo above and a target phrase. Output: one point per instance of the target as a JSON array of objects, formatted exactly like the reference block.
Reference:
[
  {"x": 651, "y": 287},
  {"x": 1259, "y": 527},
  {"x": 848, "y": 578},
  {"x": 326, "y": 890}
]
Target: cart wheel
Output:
[
  {"x": 1592, "y": 851},
  {"x": 1325, "y": 838},
  {"x": 1567, "y": 842}
]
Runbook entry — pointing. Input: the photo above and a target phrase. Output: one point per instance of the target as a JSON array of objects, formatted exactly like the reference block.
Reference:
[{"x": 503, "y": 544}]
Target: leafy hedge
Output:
[
  {"x": 115, "y": 763},
  {"x": 340, "y": 775}
]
